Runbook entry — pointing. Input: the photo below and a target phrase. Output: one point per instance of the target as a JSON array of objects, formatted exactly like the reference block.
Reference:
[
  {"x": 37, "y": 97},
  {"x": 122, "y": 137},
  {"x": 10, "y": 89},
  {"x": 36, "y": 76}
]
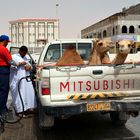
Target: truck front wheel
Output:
[{"x": 119, "y": 118}]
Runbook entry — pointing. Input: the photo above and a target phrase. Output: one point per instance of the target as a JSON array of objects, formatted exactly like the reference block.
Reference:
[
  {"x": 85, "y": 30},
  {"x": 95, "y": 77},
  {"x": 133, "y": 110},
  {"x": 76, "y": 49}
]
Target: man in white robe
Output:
[{"x": 26, "y": 87}]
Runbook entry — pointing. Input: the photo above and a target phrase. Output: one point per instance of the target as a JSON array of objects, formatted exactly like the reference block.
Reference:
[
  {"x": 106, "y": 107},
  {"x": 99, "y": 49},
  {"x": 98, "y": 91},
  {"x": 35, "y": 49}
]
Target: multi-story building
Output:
[
  {"x": 123, "y": 25},
  {"x": 33, "y": 32},
  {"x": 135, "y": 9}
]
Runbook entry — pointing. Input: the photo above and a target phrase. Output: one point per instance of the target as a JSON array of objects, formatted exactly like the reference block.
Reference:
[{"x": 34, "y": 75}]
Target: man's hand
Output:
[
  {"x": 22, "y": 63},
  {"x": 27, "y": 67}
]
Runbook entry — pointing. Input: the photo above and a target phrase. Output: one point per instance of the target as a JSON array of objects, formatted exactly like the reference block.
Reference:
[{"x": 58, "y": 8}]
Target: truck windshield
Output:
[
  {"x": 55, "y": 51},
  {"x": 83, "y": 49}
]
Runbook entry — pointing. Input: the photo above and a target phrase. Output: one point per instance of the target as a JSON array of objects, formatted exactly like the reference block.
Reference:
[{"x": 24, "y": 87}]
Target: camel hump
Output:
[{"x": 70, "y": 57}]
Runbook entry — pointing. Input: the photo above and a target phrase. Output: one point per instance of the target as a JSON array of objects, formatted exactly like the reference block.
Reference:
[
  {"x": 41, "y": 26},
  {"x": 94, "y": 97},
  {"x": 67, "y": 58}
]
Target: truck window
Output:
[
  {"x": 53, "y": 53},
  {"x": 65, "y": 45},
  {"x": 84, "y": 50}
]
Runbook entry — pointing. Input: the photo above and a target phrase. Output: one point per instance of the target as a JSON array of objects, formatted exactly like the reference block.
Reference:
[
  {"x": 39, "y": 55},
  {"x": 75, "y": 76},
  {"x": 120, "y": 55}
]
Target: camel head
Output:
[
  {"x": 104, "y": 45},
  {"x": 124, "y": 46},
  {"x": 99, "y": 52}
]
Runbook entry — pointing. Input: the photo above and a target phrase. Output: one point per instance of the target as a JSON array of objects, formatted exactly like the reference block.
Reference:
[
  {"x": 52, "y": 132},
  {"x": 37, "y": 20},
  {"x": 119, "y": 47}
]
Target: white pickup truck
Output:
[{"x": 64, "y": 91}]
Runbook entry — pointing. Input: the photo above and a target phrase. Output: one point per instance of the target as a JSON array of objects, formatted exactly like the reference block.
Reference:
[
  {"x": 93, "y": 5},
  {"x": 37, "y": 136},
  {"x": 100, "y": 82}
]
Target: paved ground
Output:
[
  {"x": 19, "y": 131},
  {"x": 133, "y": 124},
  {"x": 87, "y": 126},
  {"x": 23, "y": 130},
  {"x": 83, "y": 127}
]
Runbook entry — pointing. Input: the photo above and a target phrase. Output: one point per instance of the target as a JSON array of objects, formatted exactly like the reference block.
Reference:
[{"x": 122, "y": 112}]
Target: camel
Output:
[
  {"x": 124, "y": 48},
  {"x": 99, "y": 52},
  {"x": 70, "y": 57}
]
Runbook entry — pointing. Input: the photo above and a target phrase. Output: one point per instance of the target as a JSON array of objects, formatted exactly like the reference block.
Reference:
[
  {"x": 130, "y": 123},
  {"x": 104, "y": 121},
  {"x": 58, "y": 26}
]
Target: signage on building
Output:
[{"x": 134, "y": 38}]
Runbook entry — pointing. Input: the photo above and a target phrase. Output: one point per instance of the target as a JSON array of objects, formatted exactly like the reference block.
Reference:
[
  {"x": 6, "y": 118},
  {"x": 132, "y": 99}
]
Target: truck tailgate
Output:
[{"x": 75, "y": 82}]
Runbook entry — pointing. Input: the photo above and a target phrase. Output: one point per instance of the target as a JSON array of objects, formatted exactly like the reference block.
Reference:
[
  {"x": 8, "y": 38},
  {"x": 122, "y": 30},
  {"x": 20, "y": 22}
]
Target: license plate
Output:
[{"x": 98, "y": 106}]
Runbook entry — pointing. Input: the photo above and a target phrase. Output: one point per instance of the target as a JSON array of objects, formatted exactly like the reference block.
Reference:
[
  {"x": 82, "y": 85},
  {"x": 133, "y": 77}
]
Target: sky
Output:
[{"x": 74, "y": 15}]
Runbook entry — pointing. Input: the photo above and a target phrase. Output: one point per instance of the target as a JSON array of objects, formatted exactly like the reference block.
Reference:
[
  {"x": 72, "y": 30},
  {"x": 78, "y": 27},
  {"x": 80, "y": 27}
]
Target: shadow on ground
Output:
[{"x": 93, "y": 126}]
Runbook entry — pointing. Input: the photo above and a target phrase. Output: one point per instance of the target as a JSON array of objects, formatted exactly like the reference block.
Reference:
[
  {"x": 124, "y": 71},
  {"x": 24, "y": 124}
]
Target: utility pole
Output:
[
  {"x": 57, "y": 10},
  {"x": 57, "y": 5}
]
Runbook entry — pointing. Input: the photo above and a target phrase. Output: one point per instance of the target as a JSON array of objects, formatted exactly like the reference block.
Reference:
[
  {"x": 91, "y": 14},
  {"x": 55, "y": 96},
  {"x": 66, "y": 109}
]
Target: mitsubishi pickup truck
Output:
[{"x": 64, "y": 91}]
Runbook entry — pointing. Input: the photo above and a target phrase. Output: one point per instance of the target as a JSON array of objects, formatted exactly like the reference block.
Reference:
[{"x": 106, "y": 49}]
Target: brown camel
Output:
[
  {"x": 124, "y": 47},
  {"x": 70, "y": 57},
  {"x": 99, "y": 52}
]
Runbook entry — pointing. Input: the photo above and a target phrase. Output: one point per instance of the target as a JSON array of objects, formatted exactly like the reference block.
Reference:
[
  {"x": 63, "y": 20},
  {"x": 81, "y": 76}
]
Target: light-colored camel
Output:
[
  {"x": 124, "y": 48},
  {"x": 70, "y": 57},
  {"x": 99, "y": 52}
]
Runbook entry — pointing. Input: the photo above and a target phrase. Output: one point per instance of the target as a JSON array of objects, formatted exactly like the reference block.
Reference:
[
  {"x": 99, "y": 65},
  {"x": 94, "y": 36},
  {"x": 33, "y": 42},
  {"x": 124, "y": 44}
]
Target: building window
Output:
[
  {"x": 99, "y": 35},
  {"x": 116, "y": 30},
  {"x": 124, "y": 29},
  {"x": 104, "y": 33},
  {"x": 90, "y": 36},
  {"x": 131, "y": 29},
  {"x": 113, "y": 31}
]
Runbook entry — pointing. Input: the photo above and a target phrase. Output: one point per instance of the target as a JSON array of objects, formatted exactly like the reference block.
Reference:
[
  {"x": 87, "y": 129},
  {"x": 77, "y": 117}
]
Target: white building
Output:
[
  {"x": 118, "y": 26},
  {"x": 33, "y": 32},
  {"x": 122, "y": 25}
]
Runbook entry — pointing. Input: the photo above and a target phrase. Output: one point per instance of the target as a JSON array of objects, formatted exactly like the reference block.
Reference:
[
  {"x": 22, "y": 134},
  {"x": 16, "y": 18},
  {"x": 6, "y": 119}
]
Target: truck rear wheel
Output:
[
  {"x": 45, "y": 121},
  {"x": 119, "y": 118}
]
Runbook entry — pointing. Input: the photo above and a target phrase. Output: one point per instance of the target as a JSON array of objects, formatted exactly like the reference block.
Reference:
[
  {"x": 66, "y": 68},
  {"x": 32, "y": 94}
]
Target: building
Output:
[
  {"x": 135, "y": 9},
  {"x": 33, "y": 32},
  {"x": 123, "y": 25}
]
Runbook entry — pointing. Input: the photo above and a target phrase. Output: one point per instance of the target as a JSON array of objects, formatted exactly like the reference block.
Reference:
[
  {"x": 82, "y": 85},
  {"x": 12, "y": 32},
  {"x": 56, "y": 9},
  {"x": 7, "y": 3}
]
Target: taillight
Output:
[
  {"x": 45, "y": 91},
  {"x": 45, "y": 87}
]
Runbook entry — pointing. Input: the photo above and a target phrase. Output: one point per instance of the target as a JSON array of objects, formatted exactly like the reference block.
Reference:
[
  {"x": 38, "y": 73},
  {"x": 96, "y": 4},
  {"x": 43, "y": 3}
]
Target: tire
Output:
[
  {"x": 2, "y": 125},
  {"x": 45, "y": 121},
  {"x": 119, "y": 118}
]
